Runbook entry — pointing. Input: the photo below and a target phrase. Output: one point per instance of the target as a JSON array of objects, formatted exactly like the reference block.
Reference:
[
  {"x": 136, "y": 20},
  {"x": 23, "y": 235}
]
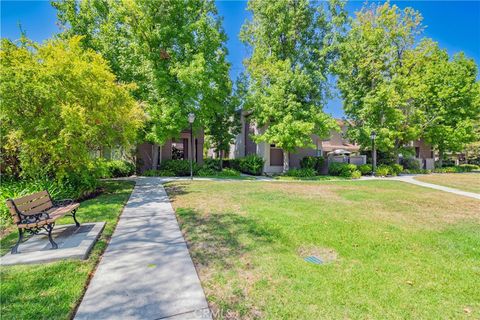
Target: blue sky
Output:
[{"x": 454, "y": 24}]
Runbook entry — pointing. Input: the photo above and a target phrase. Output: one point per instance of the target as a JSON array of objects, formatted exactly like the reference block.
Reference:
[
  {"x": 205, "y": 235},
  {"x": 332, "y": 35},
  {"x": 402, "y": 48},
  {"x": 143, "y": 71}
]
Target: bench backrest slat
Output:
[{"x": 34, "y": 203}]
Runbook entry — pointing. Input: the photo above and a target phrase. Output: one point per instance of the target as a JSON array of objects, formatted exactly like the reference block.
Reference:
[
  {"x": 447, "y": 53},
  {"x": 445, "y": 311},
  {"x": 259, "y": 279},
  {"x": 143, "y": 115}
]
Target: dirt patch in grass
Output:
[{"x": 327, "y": 255}]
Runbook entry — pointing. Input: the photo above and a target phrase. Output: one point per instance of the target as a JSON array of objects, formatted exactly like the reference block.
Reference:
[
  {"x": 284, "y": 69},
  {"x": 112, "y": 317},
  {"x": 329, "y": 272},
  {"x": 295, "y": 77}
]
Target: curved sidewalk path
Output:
[
  {"x": 412, "y": 180},
  {"x": 146, "y": 271}
]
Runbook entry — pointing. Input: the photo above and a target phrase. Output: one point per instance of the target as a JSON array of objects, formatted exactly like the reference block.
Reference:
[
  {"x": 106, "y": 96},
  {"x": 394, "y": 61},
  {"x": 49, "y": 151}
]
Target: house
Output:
[
  {"x": 424, "y": 154},
  {"x": 330, "y": 148},
  {"x": 150, "y": 156}
]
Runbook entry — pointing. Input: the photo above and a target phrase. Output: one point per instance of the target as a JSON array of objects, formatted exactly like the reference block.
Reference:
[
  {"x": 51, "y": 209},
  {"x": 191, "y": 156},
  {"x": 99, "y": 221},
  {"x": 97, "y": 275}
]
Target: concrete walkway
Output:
[
  {"x": 146, "y": 271},
  {"x": 410, "y": 179}
]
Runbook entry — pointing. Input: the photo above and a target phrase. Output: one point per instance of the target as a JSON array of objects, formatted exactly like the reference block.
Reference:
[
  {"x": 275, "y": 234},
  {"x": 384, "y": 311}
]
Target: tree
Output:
[
  {"x": 448, "y": 94},
  {"x": 173, "y": 50},
  {"x": 374, "y": 76},
  {"x": 223, "y": 127},
  {"x": 402, "y": 88},
  {"x": 292, "y": 44},
  {"x": 59, "y": 102}
]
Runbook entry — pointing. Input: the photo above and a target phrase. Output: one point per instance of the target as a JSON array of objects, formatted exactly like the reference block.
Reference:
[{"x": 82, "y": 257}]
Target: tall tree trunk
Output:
[
  {"x": 221, "y": 159},
  {"x": 396, "y": 149},
  {"x": 286, "y": 161},
  {"x": 440, "y": 157}
]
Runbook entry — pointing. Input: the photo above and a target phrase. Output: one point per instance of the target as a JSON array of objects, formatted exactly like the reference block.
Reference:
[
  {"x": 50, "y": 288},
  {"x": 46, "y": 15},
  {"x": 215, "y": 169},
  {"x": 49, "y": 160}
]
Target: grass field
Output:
[
  {"x": 462, "y": 181},
  {"x": 52, "y": 291},
  {"x": 397, "y": 251},
  {"x": 315, "y": 178}
]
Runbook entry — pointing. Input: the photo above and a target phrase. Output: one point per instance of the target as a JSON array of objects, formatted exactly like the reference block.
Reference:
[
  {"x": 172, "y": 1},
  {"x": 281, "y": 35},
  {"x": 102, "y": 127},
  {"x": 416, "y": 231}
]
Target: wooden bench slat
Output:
[
  {"x": 38, "y": 209},
  {"x": 31, "y": 197},
  {"x": 35, "y": 206}
]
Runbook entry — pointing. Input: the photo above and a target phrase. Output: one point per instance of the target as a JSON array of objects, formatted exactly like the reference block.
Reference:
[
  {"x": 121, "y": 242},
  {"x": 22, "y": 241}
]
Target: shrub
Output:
[
  {"x": 179, "y": 168},
  {"x": 410, "y": 163},
  {"x": 365, "y": 169},
  {"x": 382, "y": 170},
  {"x": 456, "y": 169},
  {"x": 159, "y": 173},
  {"x": 206, "y": 172},
  {"x": 251, "y": 164},
  {"x": 446, "y": 163},
  {"x": 335, "y": 168},
  {"x": 315, "y": 163},
  {"x": 213, "y": 164},
  {"x": 342, "y": 169},
  {"x": 74, "y": 105},
  {"x": 396, "y": 169},
  {"x": 232, "y": 164},
  {"x": 348, "y": 171},
  {"x": 356, "y": 174},
  {"x": 301, "y": 173},
  {"x": 120, "y": 168},
  {"x": 446, "y": 170},
  {"x": 416, "y": 171},
  {"x": 227, "y": 172},
  {"x": 469, "y": 167}
]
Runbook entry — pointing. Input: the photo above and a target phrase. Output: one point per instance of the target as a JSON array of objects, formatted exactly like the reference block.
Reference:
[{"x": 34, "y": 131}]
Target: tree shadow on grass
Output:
[{"x": 220, "y": 237}]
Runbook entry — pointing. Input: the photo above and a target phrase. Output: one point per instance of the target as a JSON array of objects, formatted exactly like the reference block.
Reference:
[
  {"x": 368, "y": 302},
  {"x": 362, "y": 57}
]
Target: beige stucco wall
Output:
[
  {"x": 358, "y": 160},
  {"x": 296, "y": 157}
]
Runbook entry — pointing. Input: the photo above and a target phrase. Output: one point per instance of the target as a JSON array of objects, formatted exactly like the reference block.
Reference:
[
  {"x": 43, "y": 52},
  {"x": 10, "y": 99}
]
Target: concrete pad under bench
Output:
[{"x": 73, "y": 243}]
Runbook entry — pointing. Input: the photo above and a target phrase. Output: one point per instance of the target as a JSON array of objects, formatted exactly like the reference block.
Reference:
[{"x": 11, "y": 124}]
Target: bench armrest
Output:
[{"x": 63, "y": 202}]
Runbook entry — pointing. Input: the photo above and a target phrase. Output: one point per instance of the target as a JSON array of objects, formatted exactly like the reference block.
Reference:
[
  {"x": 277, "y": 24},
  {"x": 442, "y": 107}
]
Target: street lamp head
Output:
[
  {"x": 373, "y": 135},
  {"x": 191, "y": 117}
]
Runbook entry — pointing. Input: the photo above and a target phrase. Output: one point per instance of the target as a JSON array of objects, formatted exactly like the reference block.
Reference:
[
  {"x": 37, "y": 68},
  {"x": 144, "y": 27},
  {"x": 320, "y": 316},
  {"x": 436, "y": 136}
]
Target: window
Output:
[
  {"x": 178, "y": 150},
  {"x": 417, "y": 152}
]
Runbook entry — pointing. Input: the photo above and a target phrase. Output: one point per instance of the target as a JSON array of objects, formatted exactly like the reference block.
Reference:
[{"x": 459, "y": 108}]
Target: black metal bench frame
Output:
[{"x": 40, "y": 220}]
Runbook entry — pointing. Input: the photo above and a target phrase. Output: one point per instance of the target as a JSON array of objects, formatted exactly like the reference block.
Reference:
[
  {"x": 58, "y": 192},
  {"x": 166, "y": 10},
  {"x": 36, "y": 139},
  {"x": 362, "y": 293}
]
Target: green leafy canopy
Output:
[
  {"x": 59, "y": 102},
  {"x": 173, "y": 50},
  {"x": 292, "y": 47},
  {"x": 403, "y": 88}
]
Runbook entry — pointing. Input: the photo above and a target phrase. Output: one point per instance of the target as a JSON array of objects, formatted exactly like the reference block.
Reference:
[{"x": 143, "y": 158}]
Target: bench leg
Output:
[
  {"x": 49, "y": 229},
  {"x": 75, "y": 218},
  {"x": 20, "y": 238}
]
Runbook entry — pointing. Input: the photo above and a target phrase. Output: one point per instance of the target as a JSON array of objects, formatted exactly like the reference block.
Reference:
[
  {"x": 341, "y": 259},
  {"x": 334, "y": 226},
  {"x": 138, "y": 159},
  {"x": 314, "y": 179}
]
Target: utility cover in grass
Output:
[
  {"x": 317, "y": 255},
  {"x": 313, "y": 259}
]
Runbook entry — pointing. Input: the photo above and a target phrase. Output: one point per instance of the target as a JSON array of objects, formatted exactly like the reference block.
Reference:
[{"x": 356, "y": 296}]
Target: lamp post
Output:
[
  {"x": 373, "y": 135},
  {"x": 191, "y": 119}
]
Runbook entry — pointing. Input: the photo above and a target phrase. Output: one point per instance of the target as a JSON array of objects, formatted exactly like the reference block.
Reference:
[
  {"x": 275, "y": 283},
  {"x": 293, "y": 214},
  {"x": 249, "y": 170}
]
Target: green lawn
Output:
[
  {"x": 316, "y": 178},
  {"x": 463, "y": 181},
  {"x": 52, "y": 291},
  {"x": 402, "y": 251}
]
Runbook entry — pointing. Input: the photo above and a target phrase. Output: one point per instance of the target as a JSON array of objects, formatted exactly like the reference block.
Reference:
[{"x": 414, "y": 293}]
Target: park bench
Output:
[{"x": 39, "y": 211}]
